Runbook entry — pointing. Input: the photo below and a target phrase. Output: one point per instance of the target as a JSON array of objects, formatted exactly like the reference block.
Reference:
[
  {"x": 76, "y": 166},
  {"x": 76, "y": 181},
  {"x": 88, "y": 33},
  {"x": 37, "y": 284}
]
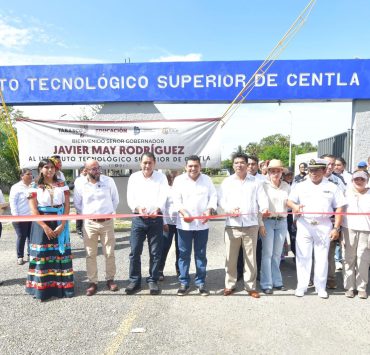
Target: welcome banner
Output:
[{"x": 119, "y": 144}]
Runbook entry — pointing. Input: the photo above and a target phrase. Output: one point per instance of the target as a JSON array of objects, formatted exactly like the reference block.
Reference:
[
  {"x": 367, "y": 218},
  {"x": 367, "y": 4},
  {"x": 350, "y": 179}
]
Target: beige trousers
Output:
[
  {"x": 247, "y": 238},
  {"x": 356, "y": 259},
  {"x": 92, "y": 232}
]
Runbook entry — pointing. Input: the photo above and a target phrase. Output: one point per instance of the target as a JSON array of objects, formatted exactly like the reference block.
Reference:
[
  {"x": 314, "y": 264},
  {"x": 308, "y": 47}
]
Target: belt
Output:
[
  {"x": 314, "y": 222},
  {"x": 100, "y": 220},
  {"x": 277, "y": 218},
  {"x": 44, "y": 212}
]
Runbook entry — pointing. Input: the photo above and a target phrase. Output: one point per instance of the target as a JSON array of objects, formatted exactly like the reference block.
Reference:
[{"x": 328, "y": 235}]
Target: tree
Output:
[
  {"x": 277, "y": 147},
  {"x": 9, "y": 160}
]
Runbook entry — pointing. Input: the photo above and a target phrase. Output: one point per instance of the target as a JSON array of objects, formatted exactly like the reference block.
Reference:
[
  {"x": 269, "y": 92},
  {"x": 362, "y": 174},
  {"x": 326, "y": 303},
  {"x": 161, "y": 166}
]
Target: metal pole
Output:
[{"x": 290, "y": 139}]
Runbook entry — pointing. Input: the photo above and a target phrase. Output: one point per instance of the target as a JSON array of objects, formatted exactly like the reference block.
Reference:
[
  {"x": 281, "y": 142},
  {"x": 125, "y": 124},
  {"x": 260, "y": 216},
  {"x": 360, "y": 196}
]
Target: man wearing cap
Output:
[
  {"x": 244, "y": 197},
  {"x": 97, "y": 194},
  {"x": 315, "y": 230},
  {"x": 362, "y": 165}
]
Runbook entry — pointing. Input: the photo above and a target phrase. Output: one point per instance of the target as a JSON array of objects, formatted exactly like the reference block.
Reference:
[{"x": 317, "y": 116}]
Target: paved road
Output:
[{"x": 110, "y": 323}]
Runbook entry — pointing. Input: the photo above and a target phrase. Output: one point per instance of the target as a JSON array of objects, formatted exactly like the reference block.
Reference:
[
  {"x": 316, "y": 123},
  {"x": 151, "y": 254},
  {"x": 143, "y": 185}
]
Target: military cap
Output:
[{"x": 317, "y": 163}]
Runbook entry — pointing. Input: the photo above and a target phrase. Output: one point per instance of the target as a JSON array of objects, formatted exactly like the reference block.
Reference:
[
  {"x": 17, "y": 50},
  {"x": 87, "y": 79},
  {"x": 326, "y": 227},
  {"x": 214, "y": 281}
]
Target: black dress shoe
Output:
[
  {"x": 268, "y": 291},
  {"x": 281, "y": 288},
  {"x": 132, "y": 288},
  {"x": 153, "y": 287}
]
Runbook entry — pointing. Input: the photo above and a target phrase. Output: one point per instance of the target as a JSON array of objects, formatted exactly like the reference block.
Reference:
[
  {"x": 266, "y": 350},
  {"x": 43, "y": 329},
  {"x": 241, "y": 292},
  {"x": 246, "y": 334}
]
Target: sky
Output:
[{"x": 81, "y": 32}]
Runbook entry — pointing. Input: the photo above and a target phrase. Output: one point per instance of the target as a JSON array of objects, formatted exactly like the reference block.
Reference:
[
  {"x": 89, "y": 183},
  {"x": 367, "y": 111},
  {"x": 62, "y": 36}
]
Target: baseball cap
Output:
[
  {"x": 362, "y": 164},
  {"x": 360, "y": 174}
]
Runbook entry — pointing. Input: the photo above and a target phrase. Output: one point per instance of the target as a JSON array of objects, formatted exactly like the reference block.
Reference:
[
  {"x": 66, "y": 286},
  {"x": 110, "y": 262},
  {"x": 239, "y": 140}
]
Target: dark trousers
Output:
[
  {"x": 79, "y": 224},
  {"x": 292, "y": 232},
  {"x": 23, "y": 231},
  {"x": 142, "y": 228},
  {"x": 167, "y": 242}
]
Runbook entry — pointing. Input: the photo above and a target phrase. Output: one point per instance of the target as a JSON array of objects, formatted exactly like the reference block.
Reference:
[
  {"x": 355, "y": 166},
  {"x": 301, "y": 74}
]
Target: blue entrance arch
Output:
[{"x": 287, "y": 80}]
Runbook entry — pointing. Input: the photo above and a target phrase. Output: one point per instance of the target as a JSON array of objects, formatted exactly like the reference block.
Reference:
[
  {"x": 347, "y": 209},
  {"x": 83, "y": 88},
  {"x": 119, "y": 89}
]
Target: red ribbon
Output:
[{"x": 53, "y": 217}]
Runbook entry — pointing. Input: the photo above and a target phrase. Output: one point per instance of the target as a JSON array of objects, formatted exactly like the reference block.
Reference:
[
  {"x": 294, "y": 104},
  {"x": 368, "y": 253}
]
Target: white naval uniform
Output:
[{"x": 313, "y": 230}]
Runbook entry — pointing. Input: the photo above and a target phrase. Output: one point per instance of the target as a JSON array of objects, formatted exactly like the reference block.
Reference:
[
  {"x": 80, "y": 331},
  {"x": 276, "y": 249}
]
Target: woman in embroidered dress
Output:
[{"x": 50, "y": 271}]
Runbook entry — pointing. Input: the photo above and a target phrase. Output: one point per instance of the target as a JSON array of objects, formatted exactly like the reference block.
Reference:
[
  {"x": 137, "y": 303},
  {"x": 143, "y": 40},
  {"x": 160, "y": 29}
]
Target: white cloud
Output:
[
  {"x": 18, "y": 33},
  {"x": 13, "y": 37},
  {"x": 191, "y": 57}
]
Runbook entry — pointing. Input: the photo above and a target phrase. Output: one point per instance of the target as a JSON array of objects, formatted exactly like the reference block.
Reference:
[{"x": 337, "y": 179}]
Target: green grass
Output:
[{"x": 217, "y": 180}]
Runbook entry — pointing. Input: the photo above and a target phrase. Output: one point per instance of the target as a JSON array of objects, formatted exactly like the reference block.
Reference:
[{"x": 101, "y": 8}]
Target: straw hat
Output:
[{"x": 275, "y": 164}]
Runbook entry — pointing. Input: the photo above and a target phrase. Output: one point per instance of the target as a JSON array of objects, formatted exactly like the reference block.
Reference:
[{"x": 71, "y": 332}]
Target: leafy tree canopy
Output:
[
  {"x": 274, "y": 147},
  {"x": 9, "y": 173}
]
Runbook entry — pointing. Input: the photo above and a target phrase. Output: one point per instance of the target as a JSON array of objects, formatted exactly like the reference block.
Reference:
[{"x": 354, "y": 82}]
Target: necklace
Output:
[{"x": 50, "y": 189}]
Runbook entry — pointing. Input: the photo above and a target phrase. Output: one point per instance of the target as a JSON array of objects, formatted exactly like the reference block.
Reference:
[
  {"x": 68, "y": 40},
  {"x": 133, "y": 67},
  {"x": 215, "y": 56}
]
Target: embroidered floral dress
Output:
[{"x": 50, "y": 270}]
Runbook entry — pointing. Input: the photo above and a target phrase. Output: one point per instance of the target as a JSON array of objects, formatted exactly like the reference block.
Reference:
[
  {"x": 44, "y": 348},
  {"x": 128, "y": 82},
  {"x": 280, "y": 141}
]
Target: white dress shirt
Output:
[
  {"x": 347, "y": 177},
  {"x": 260, "y": 177},
  {"x": 80, "y": 180},
  {"x": 99, "y": 198},
  {"x": 150, "y": 193},
  {"x": 323, "y": 197},
  {"x": 248, "y": 195},
  {"x": 18, "y": 199},
  {"x": 195, "y": 197}
]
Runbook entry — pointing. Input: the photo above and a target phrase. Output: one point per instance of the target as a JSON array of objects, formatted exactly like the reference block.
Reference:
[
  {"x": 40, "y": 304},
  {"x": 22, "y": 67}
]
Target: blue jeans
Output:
[
  {"x": 200, "y": 246},
  {"x": 338, "y": 253},
  {"x": 151, "y": 228},
  {"x": 272, "y": 247}
]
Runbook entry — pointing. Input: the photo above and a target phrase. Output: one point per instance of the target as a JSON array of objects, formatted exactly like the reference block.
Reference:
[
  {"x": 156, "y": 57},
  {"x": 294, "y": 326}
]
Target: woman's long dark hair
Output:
[{"x": 40, "y": 179}]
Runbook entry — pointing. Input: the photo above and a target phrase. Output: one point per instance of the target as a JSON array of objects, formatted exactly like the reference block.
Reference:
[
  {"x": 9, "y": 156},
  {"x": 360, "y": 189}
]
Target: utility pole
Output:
[{"x": 290, "y": 138}]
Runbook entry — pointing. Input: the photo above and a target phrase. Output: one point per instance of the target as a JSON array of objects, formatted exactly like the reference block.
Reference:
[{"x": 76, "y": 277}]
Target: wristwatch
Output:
[{"x": 337, "y": 229}]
